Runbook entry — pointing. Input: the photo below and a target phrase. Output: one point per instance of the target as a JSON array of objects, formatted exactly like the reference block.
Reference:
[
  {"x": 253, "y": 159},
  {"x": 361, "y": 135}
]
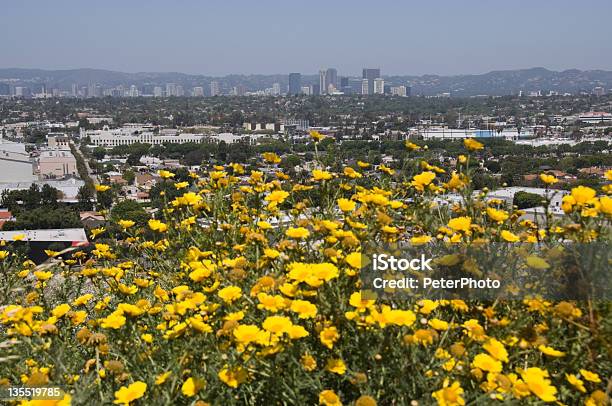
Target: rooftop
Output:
[{"x": 55, "y": 234}]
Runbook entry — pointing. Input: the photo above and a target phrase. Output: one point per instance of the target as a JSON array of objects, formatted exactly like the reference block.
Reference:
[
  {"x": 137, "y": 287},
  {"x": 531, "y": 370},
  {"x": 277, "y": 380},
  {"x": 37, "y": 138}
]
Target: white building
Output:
[
  {"x": 133, "y": 92},
  {"x": 399, "y": 91},
  {"x": 365, "y": 86},
  {"x": 507, "y": 195},
  {"x": 171, "y": 89},
  {"x": 214, "y": 88},
  {"x": 379, "y": 86},
  {"x": 276, "y": 89},
  {"x": 109, "y": 138},
  {"x": 595, "y": 117},
  {"x": 99, "y": 120},
  {"x": 460, "y": 133},
  {"x": 15, "y": 163},
  {"x": 69, "y": 188},
  {"x": 198, "y": 91},
  {"x": 58, "y": 141},
  {"x": 76, "y": 236},
  {"x": 230, "y": 138}
]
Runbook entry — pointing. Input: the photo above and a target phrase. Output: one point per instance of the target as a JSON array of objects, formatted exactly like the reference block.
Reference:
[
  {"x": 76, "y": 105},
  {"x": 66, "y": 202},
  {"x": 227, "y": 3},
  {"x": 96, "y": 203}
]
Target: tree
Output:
[
  {"x": 133, "y": 159},
  {"x": 525, "y": 200},
  {"x": 99, "y": 153},
  {"x": 493, "y": 166},
  {"x": 49, "y": 196},
  {"x": 105, "y": 199},
  {"x": 44, "y": 218},
  {"x": 289, "y": 163},
  {"x": 85, "y": 198},
  {"x": 31, "y": 199},
  {"x": 129, "y": 210},
  {"x": 129, "y": 176}
]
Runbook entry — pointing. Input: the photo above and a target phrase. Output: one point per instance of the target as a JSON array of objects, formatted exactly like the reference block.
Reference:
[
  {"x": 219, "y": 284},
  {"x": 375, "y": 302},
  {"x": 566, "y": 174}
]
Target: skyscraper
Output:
[
  {"x": 133, "y": 92},
  {"x": 379, "y": 86},
  {"x": 91, "y": 90},
  {"x": 328, "y": 80},
  {"x": 345, "y": 86},
  {"x": 276, "y": 89},
  {"x": 370, "y": 74},
  {"x": 331, "y": 78},
  {"x": 158, "y": 91},
  {"x": 198, "y": 91},
  {"x": 398, "y": 91},
  {"x": 295, "y": 83},
  {"x": 365, "y": 87},
  {"x": 214, "y": 88},
  {"x": 323, "y": 81},
  {"x": 240, "y": 90},
  {"x": 170, "y": 89}
]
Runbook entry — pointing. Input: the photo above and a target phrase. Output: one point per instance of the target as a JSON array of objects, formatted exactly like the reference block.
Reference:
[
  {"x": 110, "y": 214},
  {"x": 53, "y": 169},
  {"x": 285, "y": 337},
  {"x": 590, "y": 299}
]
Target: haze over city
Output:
[{"x": 219, "y": 38}]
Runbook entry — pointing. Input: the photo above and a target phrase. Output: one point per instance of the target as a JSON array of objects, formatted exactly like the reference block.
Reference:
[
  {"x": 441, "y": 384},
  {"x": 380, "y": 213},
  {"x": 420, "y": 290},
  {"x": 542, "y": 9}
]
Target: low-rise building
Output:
[
  {"x": 91, "y": 219},
  {"x": 129, "y": 135},
  {"x": 507, "y": 195},
  {"x": 56, "y": 163},
  {"x": 58, "y": 141},
  {"x": 595, "y": 117},
  {"x": 69, "y": 188}
]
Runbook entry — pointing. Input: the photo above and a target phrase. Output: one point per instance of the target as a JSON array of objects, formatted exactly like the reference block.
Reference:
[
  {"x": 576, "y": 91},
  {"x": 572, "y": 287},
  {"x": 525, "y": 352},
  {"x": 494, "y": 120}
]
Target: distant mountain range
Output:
[{"x": 492, "y": 83}]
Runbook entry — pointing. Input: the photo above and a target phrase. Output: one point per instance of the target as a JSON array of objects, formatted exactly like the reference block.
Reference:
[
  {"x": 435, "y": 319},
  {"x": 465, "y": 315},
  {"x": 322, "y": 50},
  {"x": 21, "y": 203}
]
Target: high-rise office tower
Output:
[
  {"x": 170, "y": 89},
  {"x": 22, "y": 91},
  {"x": 240, "y": 90},
  {"x": 214, "y": 88},
  {"x": 180, "y": 91},
  {"x": 345, "y": 87},
  {"x": 365, "y": 86},
  {"x": 158, "y": 91},
  {"x": 323, "y": 81},
  {"x": 398, "y": 91},
  {"x": 198, "y": 91},
  {"x": 331, "y": 78},
  {"x": 295, "y": 83},
  {"x": 133, "y": 92},
  {"x": 371, "y": 74},
  {"x": 276, "y": 89},
  {"x": 379, "y": 86}
]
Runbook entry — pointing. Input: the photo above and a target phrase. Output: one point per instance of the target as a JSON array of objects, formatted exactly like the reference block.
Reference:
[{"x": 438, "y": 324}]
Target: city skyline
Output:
[{"x": 274, "y": 37}]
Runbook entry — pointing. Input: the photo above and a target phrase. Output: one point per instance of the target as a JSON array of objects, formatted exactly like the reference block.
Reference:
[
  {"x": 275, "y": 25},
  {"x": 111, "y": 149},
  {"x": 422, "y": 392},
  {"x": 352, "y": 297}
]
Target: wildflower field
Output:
[{"x": 245, "y": 289}]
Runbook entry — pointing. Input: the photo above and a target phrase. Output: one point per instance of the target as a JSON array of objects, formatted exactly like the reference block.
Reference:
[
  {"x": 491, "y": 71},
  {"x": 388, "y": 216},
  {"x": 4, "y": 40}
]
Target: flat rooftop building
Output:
[
  {"x": 129, "y": 135},
  {"x": 56, "y": 164}
]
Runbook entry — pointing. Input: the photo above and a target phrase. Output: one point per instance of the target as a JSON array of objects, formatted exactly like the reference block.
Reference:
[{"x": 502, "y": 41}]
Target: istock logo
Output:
[{"x": 384, "y": 262}]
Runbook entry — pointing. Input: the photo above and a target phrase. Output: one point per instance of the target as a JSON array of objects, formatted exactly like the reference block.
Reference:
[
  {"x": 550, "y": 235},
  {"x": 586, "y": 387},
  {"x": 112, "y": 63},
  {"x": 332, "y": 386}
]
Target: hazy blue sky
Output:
[{"x": 264, "y": 36}]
